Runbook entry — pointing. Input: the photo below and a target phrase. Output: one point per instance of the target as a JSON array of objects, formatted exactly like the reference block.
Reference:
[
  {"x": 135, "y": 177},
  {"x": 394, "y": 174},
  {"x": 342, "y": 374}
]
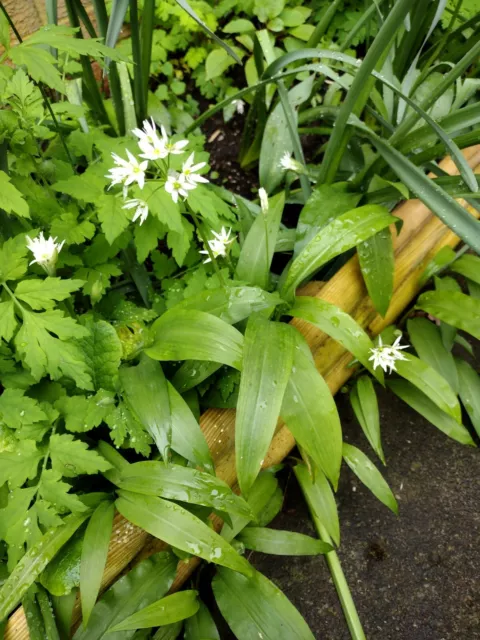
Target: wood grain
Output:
[{"x": 420, "y": 239}]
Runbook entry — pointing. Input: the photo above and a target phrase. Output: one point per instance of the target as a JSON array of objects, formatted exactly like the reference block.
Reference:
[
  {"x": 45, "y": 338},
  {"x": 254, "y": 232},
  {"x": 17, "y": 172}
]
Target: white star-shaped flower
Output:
[
  {"x": 45, "y": 252},
  {"x": 239, "y": 106},
  {"x": 148, "y": 134},
  {"x": 127, "y": 171},
  {"x": 218, "y": 246},
  {"x": 177, "y": 185},
  {"x": 141, "y": 209},
  {"x": 189, "y": 170},
  {"x": 385, "y": 356}
]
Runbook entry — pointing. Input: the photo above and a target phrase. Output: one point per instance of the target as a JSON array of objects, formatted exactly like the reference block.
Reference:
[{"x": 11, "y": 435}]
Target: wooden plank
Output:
[{"x": 420, "y": 239}]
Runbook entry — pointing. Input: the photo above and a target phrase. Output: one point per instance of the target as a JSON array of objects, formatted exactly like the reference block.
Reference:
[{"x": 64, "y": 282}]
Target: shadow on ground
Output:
[{"x": 413, "y": 577}]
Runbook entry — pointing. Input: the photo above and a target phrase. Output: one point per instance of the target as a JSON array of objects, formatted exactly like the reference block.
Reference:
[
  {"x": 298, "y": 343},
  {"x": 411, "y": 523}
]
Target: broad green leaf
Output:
[
  {"x": 102, "y": 350},
  {"x": 195, "y": 335},
  {"x": 20, "y": 463},
  {"x": 339, "y": 325},
  {"x": 178, "y": 527},
  {"x": 11, "y": 199},
  {"x": 365, "y": 406},
  {"x": 431, "y": 383},
  {"x": 326, "y": 203},
  {"x": 146, "y": 393},
  {"x": 371, "y": 477},
  {"x": 35, "y": 624},
  {"x": 172, "y": 608},
  {"x": 217, "y": 63},
  {"x": 201, "y": 626},
  {"x": 427, "y": 340},
  {"x": 169, "y": 631},
  {"x": 320, "y": 499},
  {"x": 282, "y": 543},
  {"x": 445, "y": 256},
  {"x": 18, "y": 410},
  {"x": 42, "y": 294},
  {"x": 172, "y": 481},
  {"x": 453, "y": 307},
  {"x": 94, "y": 556},
  {"x": 267, "y": 363},
  {"x": 147, "y": 582},
  {"x": 8, "y": 322},
  {"x": 62, "y": 37},
  {"x": 430, "y": 411},
  {"x": 34, "y": 562},
  {"x": 448, "y": 332},
  {"x": 40, "y": 65},
  {"x": 338, "y": 236},
  {"x": 469, "y": 389},
  {"x": 72, "y": 457},
  {"x": 187, "y": 437},
  {"x": 89, "y": 187},
  {"x": 52, "y": 489},
  {"x": 310, "y": 412},
  {"x": 162, "y": 206},
  {"x": 112, "y": 216},
  {"x": 257, "y": 251},
  {"x": 13, "y": 260},
  {"x": 62, "y": 574},
  {"x": 468, "y": 266},
  {"x": 255, "y": 607},
  {"x": 377, "y": 262},
  {"x": 84, "y": 413},
  {"x": 240, "y": 25}
]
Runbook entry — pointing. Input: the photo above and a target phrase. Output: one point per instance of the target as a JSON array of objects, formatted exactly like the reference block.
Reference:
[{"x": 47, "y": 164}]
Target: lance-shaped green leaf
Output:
[
  {"x": 187, "y": 437},
  {"x": 35, "y": 561},
  {"x": 427, "y": 340},
  {"x": 469, "y": 391},
  {"x": 468, "y": 266},
  {"x": 310, "y": 412},
  {"x": 339, "y": 325},
  {"x": 146, "y": 393},
  {"x": 444, "y": 257},
  {"x": 177, "y": 526},
  {"x": 172, "y": 481},
  {"x": 453, "y": 307},
  {"x": 365, "y": 405},
  {"x": 338, "y": 236},
  {"x": 201, "y": 626},
  {"x": 377, "y": 262},
  {"x": 254, "y": 607},
  {"x": 258, "y": 248},
  {"x": 62, "y": 574},
  {"x": 168, "y": 632},
  {"x": 94, "y": 556},
  {"x": 447, "y": 331},
  {"x": 431, "y": 383},
  {"x": 147, "y": 582},
  {"x": 266, "y": 367},
  {"x": 320, "y": 499},
  {"x": 195, "y": 335},
  {"x": 282, "y": 543},
  {"x": 371, "y": 477},
  {"x": 173, "y": 608},
  {"x": 430, "y": 411}
]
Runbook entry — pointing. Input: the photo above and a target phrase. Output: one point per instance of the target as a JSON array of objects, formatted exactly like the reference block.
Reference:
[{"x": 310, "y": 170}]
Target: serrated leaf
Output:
[
  {"x": 162, "y": 206},
  {"x": 63, "y": 38},
  {"x": 8, "y": 322},
  {"x": 13, "y": 262},
  {"x": 102, "y": 350},
  {"x": 72, "y": 457},
  {"x": 11, "y": 199},
  {"x": 168, "y": 610},
  {"x": 42, "y": 294},
  {"x": 18, "y": 410},
  {"x": 40, "y": 65},
  {"x": 67, "y": 227},
  {"x": 20, "y": 464},
  {"x": 112, "y": 217},
  {"x": 86, "y": 187},
  {"x": 53, "y": 490},
  {"x": 83, "y": 413},
  {"x": 371, "y": 477}
]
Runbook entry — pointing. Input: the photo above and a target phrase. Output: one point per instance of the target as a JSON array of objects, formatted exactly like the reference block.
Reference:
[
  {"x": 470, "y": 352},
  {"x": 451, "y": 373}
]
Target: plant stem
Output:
[{"x": 207, "y": 246}]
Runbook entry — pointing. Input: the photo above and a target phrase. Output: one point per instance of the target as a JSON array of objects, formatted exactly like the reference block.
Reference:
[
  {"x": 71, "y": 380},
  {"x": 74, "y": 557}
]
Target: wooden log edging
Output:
[{"x": 420, "y": 239}]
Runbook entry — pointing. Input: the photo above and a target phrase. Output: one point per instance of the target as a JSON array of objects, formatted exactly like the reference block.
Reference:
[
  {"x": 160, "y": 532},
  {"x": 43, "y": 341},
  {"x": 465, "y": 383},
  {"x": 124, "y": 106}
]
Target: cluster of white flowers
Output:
[
  {"x": 154, "y": 147},
  {"x": 385, "y": 356},
  {"x": 45, "y": 252},
  {"x": 218, "y": 246}
]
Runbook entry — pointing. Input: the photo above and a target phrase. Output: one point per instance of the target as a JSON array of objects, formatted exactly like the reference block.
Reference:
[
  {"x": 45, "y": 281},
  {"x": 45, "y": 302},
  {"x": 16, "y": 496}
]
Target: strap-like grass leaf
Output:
[
  {"x": 469, "y": 391},
  {"x": 365, "y": 405},
  {"x": 195, "y": 335},
  {"x": 445, "y": 256},
  {"x": 177, "y": 526},
  {"x": 146, "y": 393},
  {"x": 468, "y": 266},
  {"x": 169, "y": 631},
  {"x": 201, "y": 626},
  {"x": 34, "y": 562},
  {"x": 427, "y": 340},
  {"x": 430, "y": 411},
  {"x": 254, "y": 607},
  {"x": 310, "y": 412},
  {"x": 187, "y": 437},
  {"x": 448, "y": 331},
  {"x": 282, "y": 543},
  {"x": 94, "y": 556},
  {"x": 371, "y": 477},
  {"x": 338, "y": 325},
  {"x": 147, "y": 582},
  {"x": 267, "y": 363},
  {"x": 377, "y": 263},
  {"x": 453, "y": 307},
  {"x": 117, "y": 17},
  {"x": 168, "y": 610},
  {"x": 320, "y": 499},
  {"x": 431, "y": 383},
  {"x": 338, "y": 236},
  {"x": 257, "y": 251},
  {"x": 172, "y": 481}
]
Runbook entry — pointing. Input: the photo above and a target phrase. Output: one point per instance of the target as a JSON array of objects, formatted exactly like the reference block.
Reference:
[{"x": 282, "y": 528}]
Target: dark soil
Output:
[{"x": 413, "y": 577}]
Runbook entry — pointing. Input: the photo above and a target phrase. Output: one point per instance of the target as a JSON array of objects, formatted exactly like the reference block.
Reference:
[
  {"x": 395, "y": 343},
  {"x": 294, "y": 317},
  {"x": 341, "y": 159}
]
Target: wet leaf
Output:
[
  {"x": 469, "y": 391},
  {"x": 453, "y": 307},
  {"x": 168, "y": 610},
  {"x": 377, "y": 262},
  {"x": 320, "y": 499},
  {"x": 282, "y": 543},
  {"x": 365, "y": 405},
  {"x": 201, "y": 626}
]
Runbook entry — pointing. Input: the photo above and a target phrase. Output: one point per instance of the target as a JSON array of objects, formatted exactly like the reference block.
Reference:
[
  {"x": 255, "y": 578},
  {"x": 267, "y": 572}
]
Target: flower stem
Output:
[{"x": 207, "y": 246}]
